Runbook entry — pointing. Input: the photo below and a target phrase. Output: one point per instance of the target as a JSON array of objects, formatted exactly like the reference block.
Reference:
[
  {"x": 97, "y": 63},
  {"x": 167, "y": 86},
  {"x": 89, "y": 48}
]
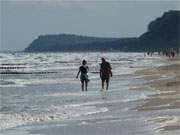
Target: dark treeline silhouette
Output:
[{"x": 162, "y": 34}]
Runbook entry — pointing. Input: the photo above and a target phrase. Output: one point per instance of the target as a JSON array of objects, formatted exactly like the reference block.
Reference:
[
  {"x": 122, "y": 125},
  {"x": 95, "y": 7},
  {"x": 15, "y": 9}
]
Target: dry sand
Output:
[{"x": 165, "y": 79}]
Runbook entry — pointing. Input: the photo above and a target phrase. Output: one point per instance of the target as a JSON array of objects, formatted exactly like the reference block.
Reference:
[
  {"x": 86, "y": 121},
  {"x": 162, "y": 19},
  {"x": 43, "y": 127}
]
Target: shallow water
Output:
[{"x": 41, "y": 88}]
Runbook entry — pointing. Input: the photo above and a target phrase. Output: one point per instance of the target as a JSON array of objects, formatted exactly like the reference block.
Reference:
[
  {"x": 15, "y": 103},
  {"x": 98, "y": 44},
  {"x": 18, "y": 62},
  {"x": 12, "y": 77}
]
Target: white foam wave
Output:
[
  {"x": 162, "y": 121},
  {"x": 53, "y": 113},
  {"x": 135, "y": 97},
  {"x": 25, "y": 82}
]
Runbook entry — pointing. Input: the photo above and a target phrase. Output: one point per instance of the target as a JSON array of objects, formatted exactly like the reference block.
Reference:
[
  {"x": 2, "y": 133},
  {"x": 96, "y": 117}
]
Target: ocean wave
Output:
[
  {"x": 26, "y": 82},
  {"x": 53, "y": 113},
  {"x": 3, "y": 82},
  {"x": 161, "y": 122}
]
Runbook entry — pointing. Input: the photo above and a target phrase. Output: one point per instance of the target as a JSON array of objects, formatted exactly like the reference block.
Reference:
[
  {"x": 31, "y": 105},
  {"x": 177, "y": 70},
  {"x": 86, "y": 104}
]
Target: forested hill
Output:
[
  {"x": 66, "y": 42},
  {"x": 163, "y": 33}
]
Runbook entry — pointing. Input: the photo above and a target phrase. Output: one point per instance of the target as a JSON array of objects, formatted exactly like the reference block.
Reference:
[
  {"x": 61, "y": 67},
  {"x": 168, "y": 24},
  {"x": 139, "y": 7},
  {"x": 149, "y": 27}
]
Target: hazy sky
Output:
[{"x": 22, "y": 21}]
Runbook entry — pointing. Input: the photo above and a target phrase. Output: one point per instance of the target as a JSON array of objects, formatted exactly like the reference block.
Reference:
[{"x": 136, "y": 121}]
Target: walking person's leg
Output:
[
  {"x": 102, "y": 83},
  {"x": 86, "y": 85},
  {"x": 107, "y": 83},
  {"x": 82, "y": 85}
]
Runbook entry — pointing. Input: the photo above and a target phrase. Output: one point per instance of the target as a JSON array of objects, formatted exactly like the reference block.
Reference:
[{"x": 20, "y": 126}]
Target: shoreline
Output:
[
  {"x": 120, "y": 101},
  {"x": 166, "y": 81}
]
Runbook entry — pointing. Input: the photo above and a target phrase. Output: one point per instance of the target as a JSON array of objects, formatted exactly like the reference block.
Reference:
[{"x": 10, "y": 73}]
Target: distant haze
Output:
[{"x": 22, "y": 21}]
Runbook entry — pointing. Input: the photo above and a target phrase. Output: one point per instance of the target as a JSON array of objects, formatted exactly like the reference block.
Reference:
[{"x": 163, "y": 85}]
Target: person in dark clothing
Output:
[
  {"x": 83, "y": 69},
  {"x": 172, "y": 52},
  {"x": 105, "y": 73}
]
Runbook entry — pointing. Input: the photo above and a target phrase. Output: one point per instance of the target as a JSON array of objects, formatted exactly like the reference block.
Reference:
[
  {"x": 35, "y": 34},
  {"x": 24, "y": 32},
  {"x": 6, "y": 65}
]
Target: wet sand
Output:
[{"x": 165, "y": 80}]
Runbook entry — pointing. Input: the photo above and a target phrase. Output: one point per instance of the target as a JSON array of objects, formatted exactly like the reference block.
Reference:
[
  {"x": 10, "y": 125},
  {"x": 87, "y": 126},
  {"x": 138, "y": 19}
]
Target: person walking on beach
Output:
[
  {"x": 105, "y": 73},
  {"x": 83, "y": 69},
  {"x": 172, "y": 52}
]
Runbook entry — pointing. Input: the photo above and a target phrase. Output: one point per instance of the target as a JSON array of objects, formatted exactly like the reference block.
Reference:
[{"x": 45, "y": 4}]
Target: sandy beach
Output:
[
  {"x": 143, "y": 98},
  {"x": 166, "y": 80}
]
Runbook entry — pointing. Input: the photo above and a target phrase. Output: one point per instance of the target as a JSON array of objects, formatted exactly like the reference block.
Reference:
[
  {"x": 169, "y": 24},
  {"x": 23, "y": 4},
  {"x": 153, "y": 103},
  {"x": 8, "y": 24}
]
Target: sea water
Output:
[{"x": 42, "y": 88}]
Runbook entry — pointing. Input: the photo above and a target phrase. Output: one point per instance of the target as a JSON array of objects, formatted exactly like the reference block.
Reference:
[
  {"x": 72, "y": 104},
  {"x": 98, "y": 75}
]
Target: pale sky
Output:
[{"x": 22, "y": 21}]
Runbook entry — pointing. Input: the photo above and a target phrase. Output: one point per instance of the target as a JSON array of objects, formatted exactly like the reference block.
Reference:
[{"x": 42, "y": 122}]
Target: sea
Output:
[{"x": 39, "y": 94}]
